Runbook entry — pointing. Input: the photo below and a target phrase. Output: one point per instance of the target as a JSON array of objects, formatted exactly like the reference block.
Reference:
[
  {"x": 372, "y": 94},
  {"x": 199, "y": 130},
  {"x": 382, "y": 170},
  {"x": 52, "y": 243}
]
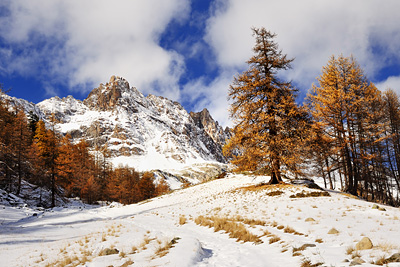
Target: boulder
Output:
[
  {"x": 109, "y": 251},
  {"x": 357, "y": 261},
  {"x": 364, "y": 244},
  {"x": 333, "y": 231}
]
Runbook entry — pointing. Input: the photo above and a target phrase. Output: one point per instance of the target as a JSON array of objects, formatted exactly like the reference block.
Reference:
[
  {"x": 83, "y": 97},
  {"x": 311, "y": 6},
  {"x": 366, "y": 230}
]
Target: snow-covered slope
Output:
[
  {"x": 143, "y": 132},
  {"x": 290, "y": 230}
]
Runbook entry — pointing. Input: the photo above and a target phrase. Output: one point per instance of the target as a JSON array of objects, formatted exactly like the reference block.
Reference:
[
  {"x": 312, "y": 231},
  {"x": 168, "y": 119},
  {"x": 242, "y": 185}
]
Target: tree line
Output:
[
  {"x": 32, "y": 152},
  {"x": 346, "y": 130}
]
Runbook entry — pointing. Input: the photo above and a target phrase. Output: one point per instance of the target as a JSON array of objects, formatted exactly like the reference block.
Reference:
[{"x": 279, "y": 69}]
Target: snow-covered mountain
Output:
[{"x": 149, "y": 132}]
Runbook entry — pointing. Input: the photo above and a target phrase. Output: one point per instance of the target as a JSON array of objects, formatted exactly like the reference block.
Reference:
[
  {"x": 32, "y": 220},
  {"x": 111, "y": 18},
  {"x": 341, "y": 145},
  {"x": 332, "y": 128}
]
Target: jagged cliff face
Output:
[
  {"x": 203, "y": 120},
  {"x": 144, "y": 132}
]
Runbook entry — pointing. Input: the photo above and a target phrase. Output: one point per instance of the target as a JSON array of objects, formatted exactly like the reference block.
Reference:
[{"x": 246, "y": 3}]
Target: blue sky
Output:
[{"x": 185, "y": 50}]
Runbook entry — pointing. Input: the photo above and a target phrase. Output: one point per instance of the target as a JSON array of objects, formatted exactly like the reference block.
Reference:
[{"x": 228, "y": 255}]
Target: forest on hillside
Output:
[
  {"x": 346, "y": 129},
  {"x": 32, "y": 152}
]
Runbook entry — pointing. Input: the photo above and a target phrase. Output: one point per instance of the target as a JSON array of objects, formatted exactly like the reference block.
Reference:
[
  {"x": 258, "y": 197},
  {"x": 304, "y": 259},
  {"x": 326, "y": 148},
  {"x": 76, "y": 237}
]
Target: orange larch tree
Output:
[{"x": 269, "y": 125}]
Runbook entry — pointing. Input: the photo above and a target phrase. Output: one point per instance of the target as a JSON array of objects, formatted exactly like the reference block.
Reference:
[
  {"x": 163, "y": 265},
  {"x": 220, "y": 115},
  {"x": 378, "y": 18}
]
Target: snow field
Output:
[{"x": 163, "y": 231}]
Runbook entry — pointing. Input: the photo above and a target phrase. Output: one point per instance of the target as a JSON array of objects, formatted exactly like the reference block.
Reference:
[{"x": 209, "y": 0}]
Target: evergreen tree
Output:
[{"x": 269, "y": 126}]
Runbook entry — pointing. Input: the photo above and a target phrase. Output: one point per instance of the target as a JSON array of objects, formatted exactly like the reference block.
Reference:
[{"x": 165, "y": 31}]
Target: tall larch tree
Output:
[
  {"x": 6, "y": 139},
  {"x": 47, "y": 146},
  {"x": 392, "y": 119},
  {"x": 268, "y": 123},
  {"x": 21, "y": 147}
]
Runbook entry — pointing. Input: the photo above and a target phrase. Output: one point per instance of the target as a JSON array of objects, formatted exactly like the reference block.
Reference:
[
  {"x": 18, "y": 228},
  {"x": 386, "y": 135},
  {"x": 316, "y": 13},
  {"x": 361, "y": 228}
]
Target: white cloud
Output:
[
  {"x": 213, "y": 96},
  {"x": 392, "y": 82},
  {"x": 88, "y": 41},
  {"x": 309, "y": 31}
]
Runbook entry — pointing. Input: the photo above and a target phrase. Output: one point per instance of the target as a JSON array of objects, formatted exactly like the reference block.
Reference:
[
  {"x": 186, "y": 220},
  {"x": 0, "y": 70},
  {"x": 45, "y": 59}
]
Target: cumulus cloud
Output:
[
  {"x": 392, "y": 82},
  {"x": 310, "y": 31},
  {"x": 211, "y": 95},
  {"x": 85, "y": 42}
]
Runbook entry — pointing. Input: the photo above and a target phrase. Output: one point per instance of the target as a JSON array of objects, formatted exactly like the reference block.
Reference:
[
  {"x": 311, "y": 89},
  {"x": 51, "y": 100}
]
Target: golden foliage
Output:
[{"x": 268, "y": 124}]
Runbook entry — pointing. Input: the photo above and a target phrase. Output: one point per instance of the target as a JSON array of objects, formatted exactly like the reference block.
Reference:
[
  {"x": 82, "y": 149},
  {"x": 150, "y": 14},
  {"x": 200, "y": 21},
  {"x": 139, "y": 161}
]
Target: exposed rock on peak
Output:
[
  {"x": 115, "y": 93},
  {"x": 203, "y": 120},
  {"x": 150, "y": 132}
]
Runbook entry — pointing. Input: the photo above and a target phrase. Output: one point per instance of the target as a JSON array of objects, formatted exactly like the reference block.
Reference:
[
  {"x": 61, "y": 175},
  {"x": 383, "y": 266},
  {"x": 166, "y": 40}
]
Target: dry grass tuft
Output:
[
  {"x": 350, "y": 250},
  {"x": 235, "y": 229},
  {"x": 134, "y": 250},
  {"x": 182, "y": 220},
  {"x": 127, "y": 263},
  {"x": 104, "y": 237},
  {"x": 311, "y": 194},
  {"x": 381, "y": 261},
  {"x": 319, "y": 240},
  {"x": 72, "y": 261},
  {"x": 251, "y": 222},
  {"x": 266, "y": 233},
  {"x": 387, "y": 247},
  {"x": 356, "y": 254},
  {"x": 274, "y": 239},
  {"x": 274, "y": 193},
  {"x": 163, "y": 249},
  {"x": 307, "y": 263},
  {"x": 264, "y": 186},
  {"x": 144, "y": 243},
  {"x": 289, "y": 230}
]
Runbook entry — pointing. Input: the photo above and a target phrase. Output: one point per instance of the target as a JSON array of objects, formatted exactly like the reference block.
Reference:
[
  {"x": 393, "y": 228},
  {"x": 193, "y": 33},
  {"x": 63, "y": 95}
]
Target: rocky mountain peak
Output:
[
  {"x": 114, "y": 93},
  {"x": 150, "y": 132},
  {"x": 203, "y": 120}
]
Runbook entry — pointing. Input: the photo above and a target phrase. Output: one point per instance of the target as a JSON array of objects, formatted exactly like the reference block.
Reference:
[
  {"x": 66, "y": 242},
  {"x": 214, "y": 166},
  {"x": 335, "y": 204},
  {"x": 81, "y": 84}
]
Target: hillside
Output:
[{"x": 288, "y": 225}]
